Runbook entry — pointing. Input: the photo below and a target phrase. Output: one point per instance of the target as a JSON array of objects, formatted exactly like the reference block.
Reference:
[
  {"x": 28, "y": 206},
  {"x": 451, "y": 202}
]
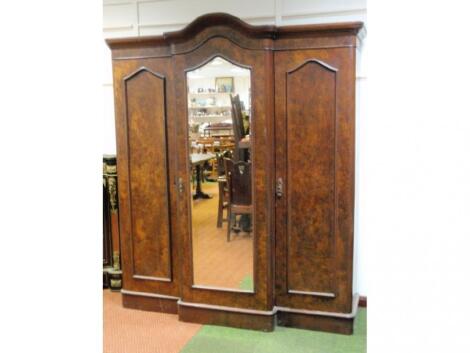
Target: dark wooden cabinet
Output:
[
  {"x": 302, "y": 140},
  {"x": 112, "y": 274}
]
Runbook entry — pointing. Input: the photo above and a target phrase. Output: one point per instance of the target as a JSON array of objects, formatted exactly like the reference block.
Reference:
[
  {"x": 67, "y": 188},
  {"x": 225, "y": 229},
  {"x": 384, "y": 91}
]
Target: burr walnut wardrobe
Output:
[{"x": 294, "y": 89}]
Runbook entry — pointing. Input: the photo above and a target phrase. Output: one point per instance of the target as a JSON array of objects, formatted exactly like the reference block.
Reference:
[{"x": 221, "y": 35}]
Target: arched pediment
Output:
[
  {"x": 220, "y": 19},
  {"x": 237, "y": 31}
]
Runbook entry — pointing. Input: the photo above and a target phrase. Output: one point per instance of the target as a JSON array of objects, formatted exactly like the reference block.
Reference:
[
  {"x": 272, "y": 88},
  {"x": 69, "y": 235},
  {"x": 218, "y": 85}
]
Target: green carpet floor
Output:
[
  {"x": 247, "y": 283},
  {"x": 215, "y": 339}
]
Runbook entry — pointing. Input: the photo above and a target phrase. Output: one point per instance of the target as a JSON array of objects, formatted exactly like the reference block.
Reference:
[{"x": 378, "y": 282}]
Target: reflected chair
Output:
[
  {"x": 223, "y": 189},
  {"x": 239, "y": 191},
  {"x": 237, "y": 125}
]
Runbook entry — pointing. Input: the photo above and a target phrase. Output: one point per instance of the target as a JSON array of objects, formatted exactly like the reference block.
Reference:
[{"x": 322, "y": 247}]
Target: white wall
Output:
[{"x": 129, "y": 18}]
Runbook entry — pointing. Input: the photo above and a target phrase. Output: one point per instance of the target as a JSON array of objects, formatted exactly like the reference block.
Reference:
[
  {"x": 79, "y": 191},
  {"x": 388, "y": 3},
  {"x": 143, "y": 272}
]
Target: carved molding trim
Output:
[
  {"x": 150, "y": 295},
  {"x": 332, "y": 13},
  {"x": 141, "y": 69},
  {"x": 315, "y": 294},
  {"x": 319, "y": 62},
  {"x": 212, "y": 36},
  {"x": 351, "y": 315},
  {"x": 266, "y": 48},
  {"x": 151, "y": 278},
  {"x": 228, "y": 308},
  {"x": 222, "y": 289}
]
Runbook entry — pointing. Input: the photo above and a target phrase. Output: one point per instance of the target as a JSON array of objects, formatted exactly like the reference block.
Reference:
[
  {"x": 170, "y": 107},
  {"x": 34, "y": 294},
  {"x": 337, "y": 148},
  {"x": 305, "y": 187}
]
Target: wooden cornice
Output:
[
  {"x": 321, "y": 28},
  {"x": 226, "y": 20},
  {"x": 220, "y": 19}
]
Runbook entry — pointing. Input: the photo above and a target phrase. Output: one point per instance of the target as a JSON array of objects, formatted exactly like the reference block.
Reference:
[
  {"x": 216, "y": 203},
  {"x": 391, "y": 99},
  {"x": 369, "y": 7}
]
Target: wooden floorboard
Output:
[{"x": 217, "y": 262}]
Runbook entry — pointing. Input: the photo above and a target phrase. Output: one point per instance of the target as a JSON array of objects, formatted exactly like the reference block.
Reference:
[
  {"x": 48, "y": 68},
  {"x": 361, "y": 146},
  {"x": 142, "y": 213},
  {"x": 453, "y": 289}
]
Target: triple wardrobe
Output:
[{"x": 235, "y": 159}]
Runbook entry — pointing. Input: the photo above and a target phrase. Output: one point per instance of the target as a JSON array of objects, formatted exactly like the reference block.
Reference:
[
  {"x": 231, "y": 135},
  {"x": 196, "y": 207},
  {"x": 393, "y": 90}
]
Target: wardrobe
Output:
[{"x": 296, "y": 85}]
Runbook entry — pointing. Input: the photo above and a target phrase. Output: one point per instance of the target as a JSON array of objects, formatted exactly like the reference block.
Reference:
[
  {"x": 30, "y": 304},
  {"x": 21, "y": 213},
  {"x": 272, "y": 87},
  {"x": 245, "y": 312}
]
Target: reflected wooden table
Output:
[{"x": 197, "y": 161}]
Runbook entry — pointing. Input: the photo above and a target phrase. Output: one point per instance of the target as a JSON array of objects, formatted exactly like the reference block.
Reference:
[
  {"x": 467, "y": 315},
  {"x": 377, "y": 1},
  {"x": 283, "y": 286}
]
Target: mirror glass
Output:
[{"x": 219, "y": 118}]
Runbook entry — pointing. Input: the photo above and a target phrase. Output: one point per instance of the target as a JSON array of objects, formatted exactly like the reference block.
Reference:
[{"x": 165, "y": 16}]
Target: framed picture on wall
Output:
[{"x": 224, "y": 84}]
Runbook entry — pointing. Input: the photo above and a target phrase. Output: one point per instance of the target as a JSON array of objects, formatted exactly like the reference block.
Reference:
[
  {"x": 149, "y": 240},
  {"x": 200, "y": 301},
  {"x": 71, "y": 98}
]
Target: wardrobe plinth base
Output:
[
  {"x": 250, "y": 321},
  {"x": 316, "y": 322},
  {"x": 146, "y": 303}
]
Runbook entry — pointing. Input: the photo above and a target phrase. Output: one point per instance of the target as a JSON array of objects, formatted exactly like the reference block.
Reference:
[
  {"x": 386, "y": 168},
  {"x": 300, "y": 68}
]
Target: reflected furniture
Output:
[
  {"x": 239, "y": 191},
  {"x": 222, "y": 204},
  {"x": 302, "y": 172},
  {"x": 197, "y": 161},
  {"x": 218, "y": 130},
  {"x": 222, "y": 185},
  {"x": 237, "y": 123}
]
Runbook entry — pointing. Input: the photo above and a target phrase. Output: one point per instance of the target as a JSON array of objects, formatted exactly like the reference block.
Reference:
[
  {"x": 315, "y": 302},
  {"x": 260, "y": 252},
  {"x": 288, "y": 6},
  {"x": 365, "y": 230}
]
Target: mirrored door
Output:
[{"x": 219, "y": 120}]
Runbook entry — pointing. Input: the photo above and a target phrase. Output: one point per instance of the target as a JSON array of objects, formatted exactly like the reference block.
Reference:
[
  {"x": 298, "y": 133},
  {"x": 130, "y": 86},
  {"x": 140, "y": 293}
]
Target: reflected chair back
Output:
[
  {"x": 237, "y": 123},
  {"x": 239, "y": 181}
]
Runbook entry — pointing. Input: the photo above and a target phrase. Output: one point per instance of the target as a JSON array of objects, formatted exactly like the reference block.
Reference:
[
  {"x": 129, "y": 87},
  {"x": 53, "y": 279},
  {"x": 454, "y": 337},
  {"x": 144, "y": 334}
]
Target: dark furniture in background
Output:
[
  {"x": 237, "y": 124},
  {"x": 222, "y": 186},
  {"x": 197, "y": 161},
  {"x": 112, "y": 274},
  {"x": 302, "y": 155},
  {"x": 239, "y": 191}
]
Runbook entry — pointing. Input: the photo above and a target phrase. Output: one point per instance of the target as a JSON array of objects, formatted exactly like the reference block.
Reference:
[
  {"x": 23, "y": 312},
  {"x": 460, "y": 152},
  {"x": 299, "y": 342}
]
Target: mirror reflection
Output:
[{"x": 219, "y": 118}]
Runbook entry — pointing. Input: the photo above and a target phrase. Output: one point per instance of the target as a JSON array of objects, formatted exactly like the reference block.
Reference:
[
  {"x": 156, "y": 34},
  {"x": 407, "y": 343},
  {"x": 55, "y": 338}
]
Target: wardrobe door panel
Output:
[
  {"x": 314, "y": 92},
  {"x": 252, "y": 291},
  {"x": 145, "y": 100},
  {"x": 310, "y": 130},
  {"x": 144, "y": 107}
]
